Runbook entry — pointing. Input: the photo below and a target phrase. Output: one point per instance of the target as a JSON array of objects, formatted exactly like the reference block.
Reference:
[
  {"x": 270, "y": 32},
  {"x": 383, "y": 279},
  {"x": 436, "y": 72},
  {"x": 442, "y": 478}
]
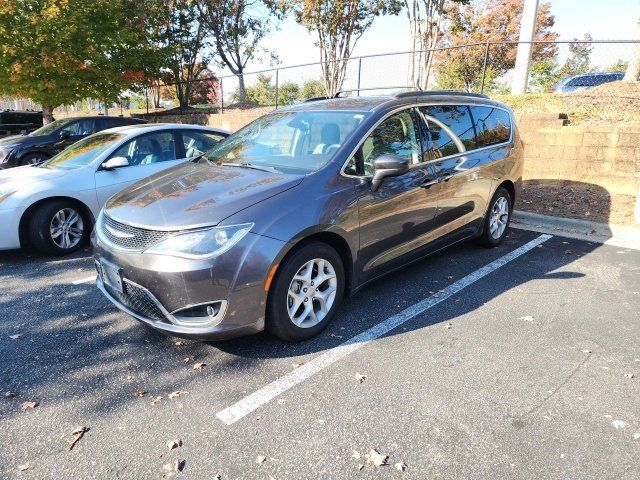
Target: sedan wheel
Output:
[
  {"x": 312, "y": 293},
  {"x": 67, "y": 228},
  {"x": 499, "y": 217}
]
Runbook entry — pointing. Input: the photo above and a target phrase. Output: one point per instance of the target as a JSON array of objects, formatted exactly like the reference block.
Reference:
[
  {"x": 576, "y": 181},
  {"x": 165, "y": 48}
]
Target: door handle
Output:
[{"x": 428, "y": 182}]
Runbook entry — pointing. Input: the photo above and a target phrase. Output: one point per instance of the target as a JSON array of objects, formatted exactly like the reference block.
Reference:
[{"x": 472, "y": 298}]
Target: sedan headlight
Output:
[
  {"x": 4, "y": 154},
  {"x": 201, "y": 243}
]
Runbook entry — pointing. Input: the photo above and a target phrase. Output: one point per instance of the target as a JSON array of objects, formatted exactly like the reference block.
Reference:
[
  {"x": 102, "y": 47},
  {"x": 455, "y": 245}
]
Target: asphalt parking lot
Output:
[{"x": 474, "y": 363}]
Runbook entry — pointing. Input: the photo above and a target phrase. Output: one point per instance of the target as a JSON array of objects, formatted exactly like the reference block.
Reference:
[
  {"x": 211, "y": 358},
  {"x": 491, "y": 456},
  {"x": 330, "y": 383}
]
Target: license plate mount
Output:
[{"x": 111, "y": 275}]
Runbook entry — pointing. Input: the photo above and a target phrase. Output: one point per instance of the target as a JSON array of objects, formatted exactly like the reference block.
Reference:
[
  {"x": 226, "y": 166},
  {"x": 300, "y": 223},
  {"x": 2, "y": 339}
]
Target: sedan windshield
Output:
[
  {"x": 83, "y": 152},
  {"x": 289, "y": 142},
  {"x": 48, "y": 128}
]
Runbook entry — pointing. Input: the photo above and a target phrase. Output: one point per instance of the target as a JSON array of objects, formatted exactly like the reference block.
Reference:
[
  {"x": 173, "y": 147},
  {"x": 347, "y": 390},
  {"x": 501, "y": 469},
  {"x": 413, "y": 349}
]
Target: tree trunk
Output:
[
  {"x": 633, "y": 70},
  {"x": 242, "y": 89},
  {"x": 47, "y": 114}
]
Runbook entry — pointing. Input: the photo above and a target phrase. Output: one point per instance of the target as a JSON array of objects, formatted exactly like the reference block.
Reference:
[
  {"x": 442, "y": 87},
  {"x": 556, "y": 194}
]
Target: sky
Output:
[{"x": 604, "y": 20}]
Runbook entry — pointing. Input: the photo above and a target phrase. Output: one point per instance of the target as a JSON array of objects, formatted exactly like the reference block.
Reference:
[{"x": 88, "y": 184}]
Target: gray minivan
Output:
[{"x": 276, "y": 224}]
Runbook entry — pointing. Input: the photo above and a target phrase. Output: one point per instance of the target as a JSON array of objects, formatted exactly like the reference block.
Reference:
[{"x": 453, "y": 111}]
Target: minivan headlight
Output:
[{"x": 201, "y": 243}]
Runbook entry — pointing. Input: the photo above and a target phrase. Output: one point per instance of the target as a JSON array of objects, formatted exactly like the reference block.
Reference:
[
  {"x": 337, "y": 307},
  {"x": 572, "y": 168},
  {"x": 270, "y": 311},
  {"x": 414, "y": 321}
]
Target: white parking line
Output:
[
  {"x": 85, "y": 280},
  {"x": 255, "y": 400}
]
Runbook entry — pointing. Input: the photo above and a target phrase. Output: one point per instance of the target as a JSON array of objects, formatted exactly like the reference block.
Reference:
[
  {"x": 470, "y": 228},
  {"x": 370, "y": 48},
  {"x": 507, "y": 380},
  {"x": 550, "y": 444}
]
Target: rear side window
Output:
[
  {"x": 458, "y": 119},
  {"x": 493, "y": 125}
]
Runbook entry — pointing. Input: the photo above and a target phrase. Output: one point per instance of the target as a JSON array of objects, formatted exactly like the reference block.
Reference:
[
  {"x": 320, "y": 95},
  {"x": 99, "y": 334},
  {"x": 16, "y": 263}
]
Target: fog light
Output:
[{"x": 207, "y": 314}]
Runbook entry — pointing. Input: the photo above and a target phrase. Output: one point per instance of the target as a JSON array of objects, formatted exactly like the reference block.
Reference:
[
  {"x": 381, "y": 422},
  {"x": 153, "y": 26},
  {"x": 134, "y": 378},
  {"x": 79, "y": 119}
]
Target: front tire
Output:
[
  {"x": 59, "y": 228},
  {"x": 497, "y": 219},
  {"x": 306, "y": 292}
]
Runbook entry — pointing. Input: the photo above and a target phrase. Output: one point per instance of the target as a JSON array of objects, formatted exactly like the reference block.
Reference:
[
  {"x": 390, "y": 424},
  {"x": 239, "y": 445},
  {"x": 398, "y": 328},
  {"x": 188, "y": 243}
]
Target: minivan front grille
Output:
[
  {"x": 138, "y": 300},
  {"x": 127, "y": 237}
]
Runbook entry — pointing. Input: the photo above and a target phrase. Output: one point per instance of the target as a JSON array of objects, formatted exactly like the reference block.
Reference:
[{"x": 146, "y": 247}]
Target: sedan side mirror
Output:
[
  {"x": 115, "y": 162},
  {"x": 64, "y": 135},
  {"x": 387, "y": 166}
]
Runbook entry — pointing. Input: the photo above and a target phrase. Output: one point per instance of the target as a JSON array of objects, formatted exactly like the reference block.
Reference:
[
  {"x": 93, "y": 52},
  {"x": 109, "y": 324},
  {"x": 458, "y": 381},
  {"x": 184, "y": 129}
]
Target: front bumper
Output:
[
  {"x": 10, "y": 228},
  {"x": 159, "y": 287}
]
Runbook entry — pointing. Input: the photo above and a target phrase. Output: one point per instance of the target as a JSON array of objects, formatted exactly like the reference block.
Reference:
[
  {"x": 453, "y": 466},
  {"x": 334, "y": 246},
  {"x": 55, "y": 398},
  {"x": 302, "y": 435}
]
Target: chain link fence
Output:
[{"x": 479, "y": 67}]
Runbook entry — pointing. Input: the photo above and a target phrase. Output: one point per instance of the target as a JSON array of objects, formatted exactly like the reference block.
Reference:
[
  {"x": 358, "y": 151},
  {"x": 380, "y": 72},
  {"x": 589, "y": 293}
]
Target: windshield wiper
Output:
[{"x": 250, "y": 165}]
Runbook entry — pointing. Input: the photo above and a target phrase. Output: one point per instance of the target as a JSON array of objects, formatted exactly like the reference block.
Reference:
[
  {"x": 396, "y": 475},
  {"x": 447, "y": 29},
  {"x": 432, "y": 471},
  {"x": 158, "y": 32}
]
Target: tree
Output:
[
  {"x": 312, "y": 89},
  {"x": 338, "y": 24},
  {"x": 425, "y": 23},
  {"x": 59, "y": 52},
  {"x": 264, "y": 92},
  {"x": 206, "y": 90},
  {"x": 237, "y": 28},
  {"x": 489, "y": 21},
  {"x": 579, "y": 59},
  {"x": 181, "y": 36},
  {"x": 619, "y": 66}
]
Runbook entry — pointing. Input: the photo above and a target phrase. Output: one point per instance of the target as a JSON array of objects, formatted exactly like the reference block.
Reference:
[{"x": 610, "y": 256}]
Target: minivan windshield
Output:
[
  {"x": 288, "y": 142},
  {"x": 48, "y": 128},
  {"x": 84, "y": 152}
]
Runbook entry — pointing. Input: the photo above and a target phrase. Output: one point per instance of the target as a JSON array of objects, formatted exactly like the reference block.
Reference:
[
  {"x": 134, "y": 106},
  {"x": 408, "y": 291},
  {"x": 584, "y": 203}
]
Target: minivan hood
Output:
[
  {"x": 194, "y": 194},
  {"x": 28, "y": 174}
]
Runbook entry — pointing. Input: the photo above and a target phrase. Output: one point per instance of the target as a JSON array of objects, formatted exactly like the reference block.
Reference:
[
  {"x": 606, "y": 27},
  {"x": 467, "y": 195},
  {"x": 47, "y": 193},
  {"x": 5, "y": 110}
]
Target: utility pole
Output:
[{"x": 520, "y": 79}]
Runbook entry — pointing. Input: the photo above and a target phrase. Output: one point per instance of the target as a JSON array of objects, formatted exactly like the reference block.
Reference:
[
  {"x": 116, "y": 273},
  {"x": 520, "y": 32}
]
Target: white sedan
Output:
[{"x": 52, "y": 206}]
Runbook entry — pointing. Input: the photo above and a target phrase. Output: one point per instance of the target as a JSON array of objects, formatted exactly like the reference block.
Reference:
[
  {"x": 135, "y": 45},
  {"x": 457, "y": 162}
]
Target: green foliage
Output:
[
  {"x": 544, "y": 73},
  {"x": 619, "y": 66},
  {"x": 312, "y": 89},
  {"x": 57, "y": 52},
  {"x": 264, "y": 92},
  {"x": 579, "y": 60}
]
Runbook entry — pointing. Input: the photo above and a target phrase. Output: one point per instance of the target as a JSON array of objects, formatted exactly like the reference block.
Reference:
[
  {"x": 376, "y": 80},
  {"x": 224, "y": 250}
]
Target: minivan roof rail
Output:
[
  {"x": 315, "y": 99},
  {"x": 428, "y": 93},
  {"x": 337, "y": 95}
]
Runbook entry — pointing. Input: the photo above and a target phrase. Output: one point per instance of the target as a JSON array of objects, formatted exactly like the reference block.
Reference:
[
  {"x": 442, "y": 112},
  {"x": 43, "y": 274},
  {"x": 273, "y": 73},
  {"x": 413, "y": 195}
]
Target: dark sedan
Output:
[{"x": 47, "y": 141}]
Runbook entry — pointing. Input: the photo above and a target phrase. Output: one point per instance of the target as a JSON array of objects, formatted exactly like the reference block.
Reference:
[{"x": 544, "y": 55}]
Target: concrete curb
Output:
[{"x": 626, "y": 237}]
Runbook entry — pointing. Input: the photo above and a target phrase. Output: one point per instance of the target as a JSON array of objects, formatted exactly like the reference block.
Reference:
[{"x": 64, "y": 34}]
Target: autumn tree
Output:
[
  {"x": 58, "y": 52},
  {"x": 488, "y": 21},
  {"x": 425, "y": 23},
  {"x": 237, "y": 29},
  {"x": 338, "y": 25},
  {"x": 181, "y": 36},
  {"x": 579, "y": 59}
]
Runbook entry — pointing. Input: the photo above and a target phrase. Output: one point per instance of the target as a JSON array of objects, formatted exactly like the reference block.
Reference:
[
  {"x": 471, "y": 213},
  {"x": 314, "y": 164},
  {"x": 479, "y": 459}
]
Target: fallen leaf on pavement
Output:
[
  {"x": 75, "y": 436},
  {"x": 585, "y": 351},
  {"x": 187, "y": 359},
  {"x": 174, "y": 444},
  {"x": 360, "y": 377},
  {"x": 448, "y": 326},
  {"x": 155, "y": 400},
  {"x": 9, "y": 394},
  {"x": 28, "y": 405},
  {"x": 179, "y": 343},
  {"x": 636, "y": 436},
  {"x": 526, "y": 318},
  {"x": 618, "y": 424},
  {"x": 23, "y": 467},
  {"x": 199, "y": 366},
  {"x": 355, "y": 455},
  {"x": 401, "y": 466},
  {"x": 376, "y": 458},
  {"x": 261, "y": 459},
  {"x": 176, "y": 393},
  {"x": 179, "y": 465},
  {"x": 629, "y": 375},
  {"x": 297, "y": 364},
  {"x": 360, "y": 467},
  {"x": 140, "y": 394},
  {"x": 217, "y": 477},
  {"x": 15, "y": 337}
]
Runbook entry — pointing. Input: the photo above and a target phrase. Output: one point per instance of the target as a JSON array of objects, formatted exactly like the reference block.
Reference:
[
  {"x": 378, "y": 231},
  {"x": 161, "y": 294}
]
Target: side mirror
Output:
[
  {"x": 64, "y": 135},
  {"x": 387, "y": 166},
  {"x": 115, "y": 162}
]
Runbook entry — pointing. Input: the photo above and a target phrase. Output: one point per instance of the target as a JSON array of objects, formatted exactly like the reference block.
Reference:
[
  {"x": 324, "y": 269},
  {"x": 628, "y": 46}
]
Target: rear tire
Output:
[
  {"x": 59, "y": 228},
  {"x": 306, "y": 292},
  {"x": 496, "y": 221},
  {"x": 33, "y": 159}
]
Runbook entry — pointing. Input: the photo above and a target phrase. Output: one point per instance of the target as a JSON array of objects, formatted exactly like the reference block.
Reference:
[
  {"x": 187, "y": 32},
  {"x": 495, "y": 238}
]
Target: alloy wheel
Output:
[
  {"x": 66, "y": 228},
  {"x": 312, "y": 293},
  {"x": 499, "y": 217}
]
